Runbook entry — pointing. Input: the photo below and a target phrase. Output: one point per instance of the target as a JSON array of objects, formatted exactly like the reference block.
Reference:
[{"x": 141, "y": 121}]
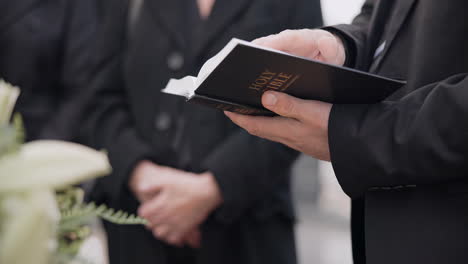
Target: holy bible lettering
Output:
[{"x": 278, "y": 81}]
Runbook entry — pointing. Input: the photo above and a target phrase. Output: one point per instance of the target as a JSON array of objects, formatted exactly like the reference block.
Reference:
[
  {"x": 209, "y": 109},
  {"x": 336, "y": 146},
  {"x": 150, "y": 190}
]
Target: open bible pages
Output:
[
  {"x": 188, "y": 85},
  {"x": 183, "y": 87}
]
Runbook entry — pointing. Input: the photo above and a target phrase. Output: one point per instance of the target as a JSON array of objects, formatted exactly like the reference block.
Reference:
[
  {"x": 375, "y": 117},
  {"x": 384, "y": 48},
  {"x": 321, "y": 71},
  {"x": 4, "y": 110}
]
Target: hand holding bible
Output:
[
  {"x": 302, "y": 124},
  {"x": 313, "y": 44}
]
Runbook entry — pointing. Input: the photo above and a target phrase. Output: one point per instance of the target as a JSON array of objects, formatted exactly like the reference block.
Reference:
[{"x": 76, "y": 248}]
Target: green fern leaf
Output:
[{"x": 82, "y": 214}]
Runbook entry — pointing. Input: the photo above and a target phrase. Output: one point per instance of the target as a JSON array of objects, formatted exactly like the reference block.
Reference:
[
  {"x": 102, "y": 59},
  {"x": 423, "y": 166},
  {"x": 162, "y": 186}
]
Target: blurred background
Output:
[{"x": 323, "y": 235}]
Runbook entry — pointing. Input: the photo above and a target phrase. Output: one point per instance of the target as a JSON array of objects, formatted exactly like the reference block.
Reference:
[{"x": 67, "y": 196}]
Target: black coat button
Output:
[
  {"x": 175, "y": 61},
  {"x": 162, "y": 122}
]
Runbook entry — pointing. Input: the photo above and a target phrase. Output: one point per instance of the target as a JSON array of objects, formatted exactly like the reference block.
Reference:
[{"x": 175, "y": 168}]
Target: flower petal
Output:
[
  {"x": 28, "y": 224},
  {"x": 8, "y": 96},
  {"x": 50, "y": 164}
]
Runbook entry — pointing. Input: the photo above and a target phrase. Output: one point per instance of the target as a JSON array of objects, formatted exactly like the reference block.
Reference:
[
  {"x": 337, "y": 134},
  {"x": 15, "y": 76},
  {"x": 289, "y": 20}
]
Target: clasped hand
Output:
[
  {"x": 174, "y": 202},
  {"x": 301, "y": 124}
]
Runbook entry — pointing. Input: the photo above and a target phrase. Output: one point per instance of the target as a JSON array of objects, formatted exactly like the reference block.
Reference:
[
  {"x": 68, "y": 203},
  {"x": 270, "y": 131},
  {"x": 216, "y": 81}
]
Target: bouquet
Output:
[{"x": 43, "y": 219}]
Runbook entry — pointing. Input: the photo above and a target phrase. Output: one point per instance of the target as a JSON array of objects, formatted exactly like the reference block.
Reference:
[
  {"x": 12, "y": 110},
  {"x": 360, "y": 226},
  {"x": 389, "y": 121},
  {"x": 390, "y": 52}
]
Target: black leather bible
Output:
[{"x": 235, "y": 79}]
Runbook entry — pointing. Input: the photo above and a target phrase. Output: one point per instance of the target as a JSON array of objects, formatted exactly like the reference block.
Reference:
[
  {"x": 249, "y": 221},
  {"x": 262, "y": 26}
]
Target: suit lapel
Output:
[
  {"x": 402, "y": 10},
  {"x": 13, "y": 10},
  {"x": 168, "y": 15},
  {"x": 224, "y": 11}
]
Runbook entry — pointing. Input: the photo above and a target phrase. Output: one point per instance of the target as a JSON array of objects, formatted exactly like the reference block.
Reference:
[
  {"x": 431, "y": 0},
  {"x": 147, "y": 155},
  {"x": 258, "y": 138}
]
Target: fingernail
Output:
[{"x": 269, "y": 99}]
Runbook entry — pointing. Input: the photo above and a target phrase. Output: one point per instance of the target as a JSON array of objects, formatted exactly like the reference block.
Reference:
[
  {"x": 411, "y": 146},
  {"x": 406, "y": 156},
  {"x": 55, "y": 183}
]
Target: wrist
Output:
[
  {"x": 347, "y": 44},
  {"x": 341, "y": 49},
  {"x": 211, "y": 191},
  {"x": 137, "y": 175}
]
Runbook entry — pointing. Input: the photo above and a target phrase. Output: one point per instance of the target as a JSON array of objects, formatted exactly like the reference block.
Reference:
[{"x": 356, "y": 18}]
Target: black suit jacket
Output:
[
  {"x": 44, "y": 49},
  {"x": 133, "y": 120},
  {"x": 405, "y": 161}
]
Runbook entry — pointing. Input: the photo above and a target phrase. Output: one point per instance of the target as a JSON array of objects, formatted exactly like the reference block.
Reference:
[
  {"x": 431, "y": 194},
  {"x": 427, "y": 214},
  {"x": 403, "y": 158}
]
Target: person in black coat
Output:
[
  {"x": 211, "y": 192},
  {"x": 404, "y": 161},
  {"x": 44, "y": 49}
]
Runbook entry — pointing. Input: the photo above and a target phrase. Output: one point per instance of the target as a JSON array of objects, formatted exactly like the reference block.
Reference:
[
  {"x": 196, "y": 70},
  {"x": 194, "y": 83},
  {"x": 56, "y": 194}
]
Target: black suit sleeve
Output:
[
  {"x": 79, "y": 36},
  {"x": 109, "y": 124},
  {"x": 355, "y": 35},
  {"x": 421, "y": 139}
]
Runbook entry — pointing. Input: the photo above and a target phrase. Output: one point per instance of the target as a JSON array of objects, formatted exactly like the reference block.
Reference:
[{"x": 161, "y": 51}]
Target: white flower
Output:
[
  {"x": 8, "y": 96},
  {"x": 29, "y": 215},
  {"x": 28, "y": 210}
]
